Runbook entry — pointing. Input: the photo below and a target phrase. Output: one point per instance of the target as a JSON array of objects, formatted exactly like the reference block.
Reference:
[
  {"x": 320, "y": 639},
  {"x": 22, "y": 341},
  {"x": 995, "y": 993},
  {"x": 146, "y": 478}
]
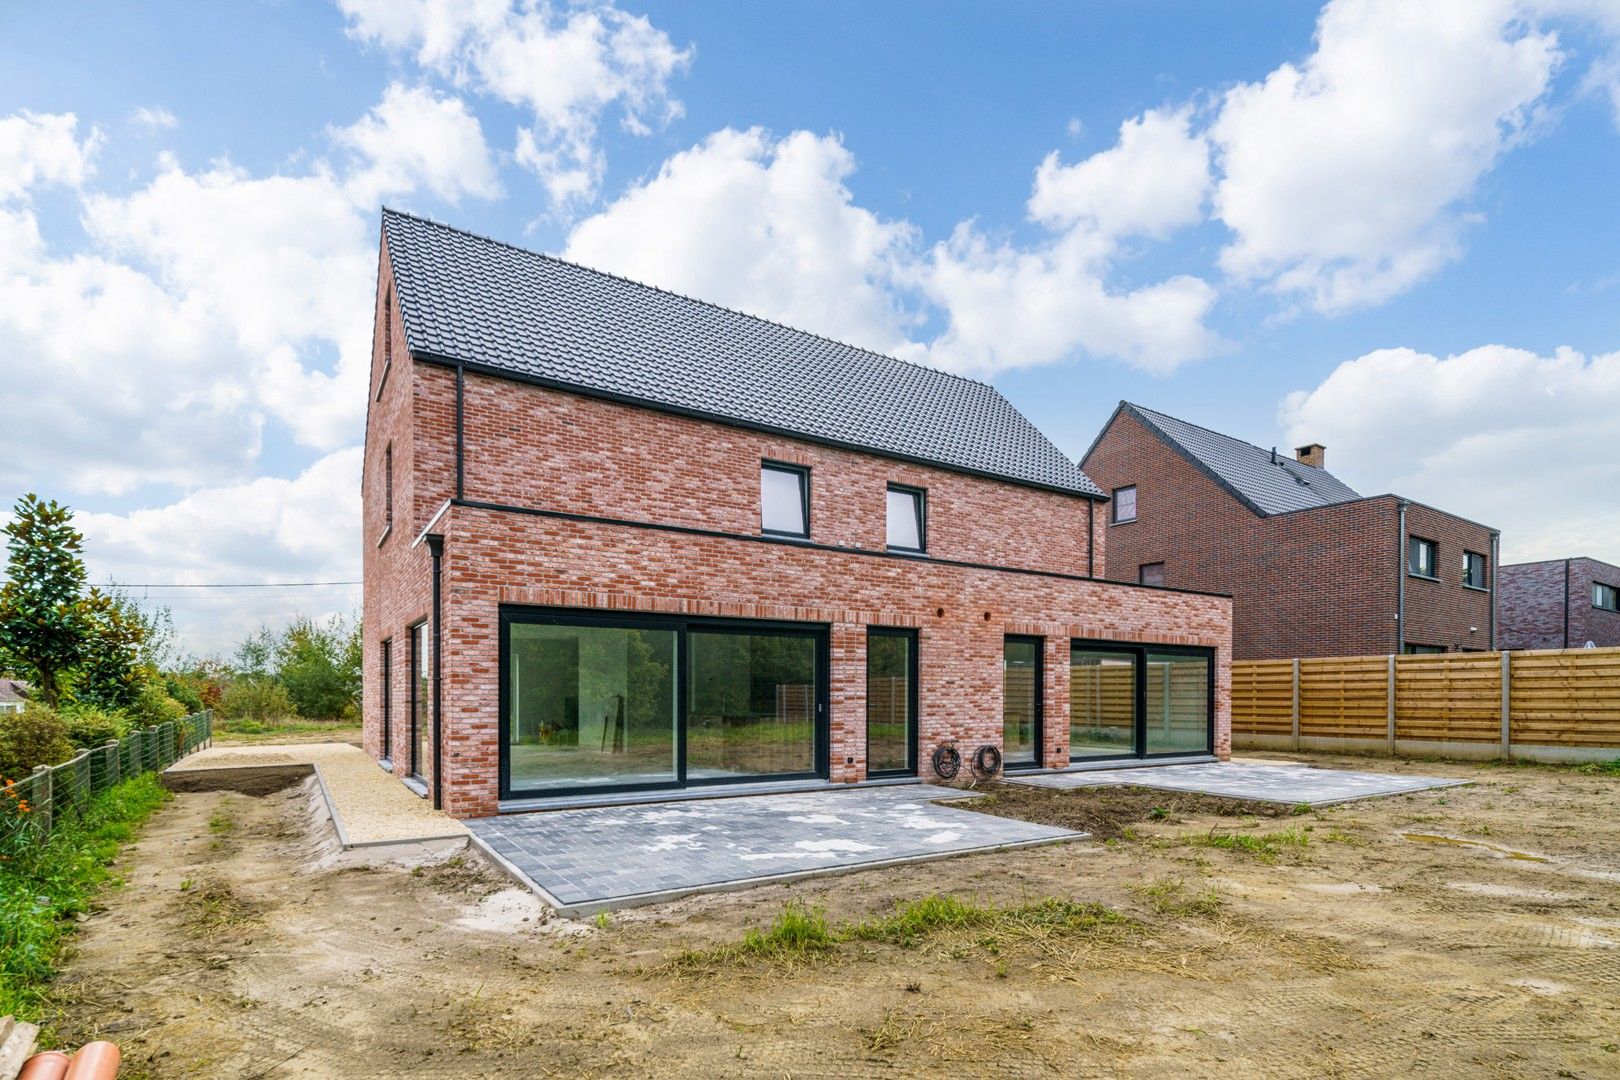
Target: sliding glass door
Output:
[
  {"x": 421, "y": 701},
  {"x": 1021, "y": 702},
  {"x": 597, "y": 704},
  {"x": 1139, "y": 700}
]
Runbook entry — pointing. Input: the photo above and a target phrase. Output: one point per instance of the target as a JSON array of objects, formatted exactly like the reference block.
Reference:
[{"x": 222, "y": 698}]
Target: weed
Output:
[
  {"x": 1170, "y": 896},
  {"x": 221, "y": 822},
  {"x": 798, "y": 931},
  {"x": 1300, "y": 808},
  {"x": 1158, "y": 813},
  {"x": 1599, "y": 768},
  {"x": 603, "y": 920},
  {"x": 214, "y": 908},
  {"x": 1263, "y": 846}
]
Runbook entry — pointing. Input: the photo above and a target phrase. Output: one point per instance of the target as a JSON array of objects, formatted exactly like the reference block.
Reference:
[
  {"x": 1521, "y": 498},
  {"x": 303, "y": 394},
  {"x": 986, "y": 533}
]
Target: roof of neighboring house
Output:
[
  {"x": 13, "y": 690},
  {"x": 489, "y": 306},
  {"x": 1266, "y": 481}
]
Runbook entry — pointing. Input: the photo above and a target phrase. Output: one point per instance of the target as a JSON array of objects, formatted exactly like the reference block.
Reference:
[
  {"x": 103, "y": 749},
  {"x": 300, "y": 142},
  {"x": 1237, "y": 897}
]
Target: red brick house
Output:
[
  {"x": 620, "y": 541},
  {"x": 1313, "y": 568},
  {"x": 1559, "y": 604}
]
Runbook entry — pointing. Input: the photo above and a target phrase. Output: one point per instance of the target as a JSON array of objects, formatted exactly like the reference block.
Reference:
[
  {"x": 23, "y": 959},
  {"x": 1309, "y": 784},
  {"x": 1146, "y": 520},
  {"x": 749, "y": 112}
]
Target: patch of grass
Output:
[
  {"x": 802, "y": 932},
  {"x": 1171, "y": 896},
  {"x": 251, "y": 730},
  {"x": 221, "y": 822},
  {"x": 1263, "y": 846},
  {"x": 44, "y": 888},
  {"x": 214, "y": 908},
  {"x": 1599, "y": 768},
  {"x": 604, "y": 919}
]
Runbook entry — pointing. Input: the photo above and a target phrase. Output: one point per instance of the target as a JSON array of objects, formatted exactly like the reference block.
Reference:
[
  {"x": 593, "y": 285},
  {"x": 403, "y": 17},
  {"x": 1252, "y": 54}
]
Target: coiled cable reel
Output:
[{"x": 947, "y": 761}]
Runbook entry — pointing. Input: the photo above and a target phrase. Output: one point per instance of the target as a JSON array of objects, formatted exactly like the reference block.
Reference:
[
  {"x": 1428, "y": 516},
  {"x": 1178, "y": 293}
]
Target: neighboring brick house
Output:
[
  {"x": 13, "y": 695},
  {"x": 1313, "y": 568},
  {"x": 650, "y": 543},
  {"x": 1558, "y": 604}
]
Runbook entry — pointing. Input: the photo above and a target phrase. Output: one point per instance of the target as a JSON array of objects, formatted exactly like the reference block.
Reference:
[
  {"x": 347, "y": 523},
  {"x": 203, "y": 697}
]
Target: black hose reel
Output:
[
  {"x": 947, "y": 762},
  {"x": 986, "y": 761}
]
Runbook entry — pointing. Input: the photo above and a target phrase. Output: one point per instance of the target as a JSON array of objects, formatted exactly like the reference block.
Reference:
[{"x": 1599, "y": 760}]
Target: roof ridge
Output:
[
  {"x": 387, "y": 210},
  {"x": 1281, "y": 459}
]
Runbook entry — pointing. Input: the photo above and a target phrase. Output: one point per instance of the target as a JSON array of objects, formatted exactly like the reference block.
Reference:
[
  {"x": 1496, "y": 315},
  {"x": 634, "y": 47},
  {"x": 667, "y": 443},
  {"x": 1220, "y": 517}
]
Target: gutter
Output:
[{"x": 435, "y": 545}]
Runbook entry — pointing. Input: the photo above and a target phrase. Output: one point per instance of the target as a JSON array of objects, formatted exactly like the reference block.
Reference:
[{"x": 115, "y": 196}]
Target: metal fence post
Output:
[
  {"x": 1296, "y": 703},
  {"x": 1390, "y": 704},
  {"x": 1507, "y": 705}
]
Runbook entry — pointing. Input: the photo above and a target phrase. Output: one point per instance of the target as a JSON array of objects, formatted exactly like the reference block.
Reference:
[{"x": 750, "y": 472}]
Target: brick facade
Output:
[
  {"x": 576, "y": 502},
  {"x": 1532, "y": 609},
  {"x": 1319, "y": 582}
]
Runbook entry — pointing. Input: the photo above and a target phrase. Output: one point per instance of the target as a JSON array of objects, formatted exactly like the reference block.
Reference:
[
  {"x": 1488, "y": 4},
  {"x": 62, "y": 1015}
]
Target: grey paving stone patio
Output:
[
  {"x": 1264, "y": 781},
  {"x": 595, "y": 859}
]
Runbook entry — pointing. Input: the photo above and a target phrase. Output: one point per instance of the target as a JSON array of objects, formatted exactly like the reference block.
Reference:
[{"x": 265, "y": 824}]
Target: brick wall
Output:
[
  {"x": 1318, "y": 582},
  {"x": 1531, "y": 605}
]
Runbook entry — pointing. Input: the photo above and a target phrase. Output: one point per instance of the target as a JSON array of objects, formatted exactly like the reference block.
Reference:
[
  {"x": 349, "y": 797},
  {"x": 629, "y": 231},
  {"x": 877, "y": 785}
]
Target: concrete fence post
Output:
[
  {"x": 1507, "y": 705},
  {"x": 44, "y": 798},
  {"x": 1390, "y": 704},
  {"x": 1296, "y": 703}
]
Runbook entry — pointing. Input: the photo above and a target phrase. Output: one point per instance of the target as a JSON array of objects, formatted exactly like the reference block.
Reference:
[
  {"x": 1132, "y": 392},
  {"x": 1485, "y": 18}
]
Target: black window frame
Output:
[
  {"x": 1117, "y": 520},
  {"x": 387, "y": 699},
  {"x": 919, "y": 507},
  {"x": 803, "y": 473},
  {"x": 912, "y": 703},
  {"x": 420, "y": 709},
  {"x": 1140, "y": 651},
  {"x": 1470, "y": 560},
  {"x": 388, "y": 488},
  {"x": 388, "y": 339},
  {"x": 1038, "y": 732},
  {"x": 511, "y": 614},
  {"x": 1141, "y": 574},
  {"x": 1434, "y": 558},
  {"x": 1614, "y": 594}
]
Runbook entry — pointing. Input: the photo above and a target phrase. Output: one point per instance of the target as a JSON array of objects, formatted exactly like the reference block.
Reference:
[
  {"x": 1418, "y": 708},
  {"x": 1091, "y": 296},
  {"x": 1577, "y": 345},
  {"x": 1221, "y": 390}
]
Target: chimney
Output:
[{"x": 1312, "y": 454}]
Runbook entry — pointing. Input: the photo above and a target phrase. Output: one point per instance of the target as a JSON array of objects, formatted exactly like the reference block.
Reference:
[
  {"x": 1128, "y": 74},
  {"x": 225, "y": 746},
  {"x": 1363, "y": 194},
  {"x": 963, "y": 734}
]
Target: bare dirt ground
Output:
[{"x": 1326, "y": 944}]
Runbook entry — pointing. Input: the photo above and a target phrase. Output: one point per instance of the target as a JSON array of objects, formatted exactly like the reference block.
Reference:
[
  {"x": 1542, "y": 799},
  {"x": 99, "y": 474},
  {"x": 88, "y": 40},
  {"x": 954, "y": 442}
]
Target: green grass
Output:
[
  {"x": 801, "y": 932},
  {"x": 1170, "y": 896},
  {"x": 248, "y": 730},
  {"x": 1263, "y": 846},
  {"x": 1600, "y": 768},
  {"x": 43, "y": 888}
]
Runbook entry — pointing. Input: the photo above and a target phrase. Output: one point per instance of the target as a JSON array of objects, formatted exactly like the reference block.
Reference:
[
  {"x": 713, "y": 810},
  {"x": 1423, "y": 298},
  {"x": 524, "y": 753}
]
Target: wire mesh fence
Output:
[{"x": 32, "y": 805}]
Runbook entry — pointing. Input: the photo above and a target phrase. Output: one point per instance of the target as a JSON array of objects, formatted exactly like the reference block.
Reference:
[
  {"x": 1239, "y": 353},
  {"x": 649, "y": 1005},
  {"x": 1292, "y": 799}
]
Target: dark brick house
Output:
[
  {"x": 1558, "y": 604},
  {"x": 618, "y": 540},
  {"x": 1313, "y": 568}
]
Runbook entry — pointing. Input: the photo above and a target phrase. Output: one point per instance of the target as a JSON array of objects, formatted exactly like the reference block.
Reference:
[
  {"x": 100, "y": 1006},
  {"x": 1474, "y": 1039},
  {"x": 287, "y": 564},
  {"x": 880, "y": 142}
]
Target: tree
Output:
[
  {"x": 42, "y": 618},
  {"x": 319, "y": 665},
  {"x": 109, "y": 673}
]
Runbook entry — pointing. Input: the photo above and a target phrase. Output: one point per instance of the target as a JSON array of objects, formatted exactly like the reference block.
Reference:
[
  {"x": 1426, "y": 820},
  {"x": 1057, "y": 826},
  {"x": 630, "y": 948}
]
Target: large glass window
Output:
[
  {"x": 784, "y": 499},
  {"x": 1605, "y": 596},
  {"x": 589, "y": 706},
  {"x": 1474, "y": 569},
  {"x": 1420, "y": 557},
  {"x": 751, "y": 704},
  {"x": 1125, "y": 503},
  {"x": 1176, "y": 703},
  {"x": 388, "y": 698},
  {"x": 1021, "y": 702},
  {"x": 421, "y": 701},
  {"x": 891, "y": 701},
  {"x": 1102, "y": 703},
  {"x": 907, "y": 514}
]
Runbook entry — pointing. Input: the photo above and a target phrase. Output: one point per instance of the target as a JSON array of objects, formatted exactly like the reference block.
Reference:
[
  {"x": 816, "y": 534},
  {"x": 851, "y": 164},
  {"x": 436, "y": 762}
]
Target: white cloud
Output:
[
  {"x": 415, "y": 139},
  {"x": 770, "y": 227},
  {"x": 1522, "y": 442},
  {"x": 154, "y": 118},
  {"x": 43, "y": 148},
  {"x": 567, "y": 67},
  {"x": 1149, "y": 184},
  {"x": 1345, "y": 179}
]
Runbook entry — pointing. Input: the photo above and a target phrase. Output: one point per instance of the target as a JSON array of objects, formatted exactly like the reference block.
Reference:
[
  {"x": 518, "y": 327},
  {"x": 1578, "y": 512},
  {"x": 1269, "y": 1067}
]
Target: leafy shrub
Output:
[
  {"x": 154, "y": 706},
  {"x": 89, "y": 726},
  {"x": 35, "y": 736},
  {"x": 257, "y": 700}
]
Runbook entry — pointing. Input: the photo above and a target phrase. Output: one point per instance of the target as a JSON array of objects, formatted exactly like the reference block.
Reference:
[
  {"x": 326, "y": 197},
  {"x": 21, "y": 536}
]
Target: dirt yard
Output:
[{"x": 1465, "y": 932}]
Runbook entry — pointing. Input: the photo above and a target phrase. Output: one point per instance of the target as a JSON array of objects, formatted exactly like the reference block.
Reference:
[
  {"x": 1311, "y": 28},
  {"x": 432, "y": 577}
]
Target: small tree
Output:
[
  {"x": 42, "y": 622},
  {"x": 109, "y": 673}
]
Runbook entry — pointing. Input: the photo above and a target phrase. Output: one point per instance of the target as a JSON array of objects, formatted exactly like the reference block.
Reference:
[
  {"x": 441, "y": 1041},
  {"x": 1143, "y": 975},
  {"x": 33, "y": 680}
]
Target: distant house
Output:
[
  {"x": 1559, "y": 604},
  {"x": 619, "y": 540},
  {"x": 1313, "y": 567},
  {"x": 13, "y": 692}
]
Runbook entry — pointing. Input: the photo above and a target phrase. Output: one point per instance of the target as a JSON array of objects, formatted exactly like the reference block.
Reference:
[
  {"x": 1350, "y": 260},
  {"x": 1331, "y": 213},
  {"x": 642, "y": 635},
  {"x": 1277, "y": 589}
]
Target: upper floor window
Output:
[
  {"x": 1474, "y": 569},
  {"x": 1420, "y": 557},
  {"x": 1150, "y": 573},
  {"x": 387, "y": 336},
  {"x": 1125, "y": 503},
  {"x": 784, "y": 499},
  {"x": 388, "y": 486},
  {"x": 1606, "y": 597},
  {"x": 908, "y": 520}
]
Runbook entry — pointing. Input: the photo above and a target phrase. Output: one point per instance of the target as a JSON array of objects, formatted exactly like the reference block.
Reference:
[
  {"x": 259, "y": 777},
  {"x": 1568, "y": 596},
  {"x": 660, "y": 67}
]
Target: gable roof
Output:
[
  {"x": 12, "y": 691},
  {"x": 1263, "y": 480},
  {"x": 469, "y": 300}
]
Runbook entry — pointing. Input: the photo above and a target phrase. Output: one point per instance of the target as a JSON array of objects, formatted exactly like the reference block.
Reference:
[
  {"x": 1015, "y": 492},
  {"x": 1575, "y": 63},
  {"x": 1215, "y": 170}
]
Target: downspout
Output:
[
  {"x": 1400, "y": 584},
  {"x": 1091, "y": 538},
  {"x": 461, "y": 431},
  {"x": 435, "y": 543},
  {"x": 1496, "y": 560}
]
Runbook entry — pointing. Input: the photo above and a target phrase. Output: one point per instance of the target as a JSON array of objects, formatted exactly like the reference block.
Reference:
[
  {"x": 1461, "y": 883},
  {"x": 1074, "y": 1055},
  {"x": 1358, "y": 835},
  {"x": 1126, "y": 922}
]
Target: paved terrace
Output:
[{"x": 1261, "y": 781}]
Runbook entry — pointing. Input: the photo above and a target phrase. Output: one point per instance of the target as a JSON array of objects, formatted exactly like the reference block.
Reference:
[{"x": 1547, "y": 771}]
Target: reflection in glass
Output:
[
  {"x": 751, "y": 705},
  {"x": 1020, "y": 702},
  {"x": 782, "y": 500},
  {"x": 590, "y": 706},
  {"x": 1102, "y": 703},
  {"x": 421, "y": 701},
  {"x": 1177, "y": 703},
  {"x": 889, "y": 719}
]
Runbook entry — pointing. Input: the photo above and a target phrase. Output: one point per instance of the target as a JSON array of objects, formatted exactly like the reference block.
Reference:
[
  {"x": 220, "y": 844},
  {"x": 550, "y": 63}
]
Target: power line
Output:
[{"x": 240, "y": 585}]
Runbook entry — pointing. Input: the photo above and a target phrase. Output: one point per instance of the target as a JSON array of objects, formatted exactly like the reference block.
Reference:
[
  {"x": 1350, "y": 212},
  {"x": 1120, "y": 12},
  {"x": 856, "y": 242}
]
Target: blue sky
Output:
[{"x": 1387, "y": 227}]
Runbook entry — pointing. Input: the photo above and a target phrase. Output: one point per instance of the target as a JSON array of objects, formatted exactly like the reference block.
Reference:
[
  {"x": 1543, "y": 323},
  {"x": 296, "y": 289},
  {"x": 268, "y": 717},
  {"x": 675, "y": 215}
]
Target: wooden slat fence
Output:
[{"x": 1551, "y": 705}]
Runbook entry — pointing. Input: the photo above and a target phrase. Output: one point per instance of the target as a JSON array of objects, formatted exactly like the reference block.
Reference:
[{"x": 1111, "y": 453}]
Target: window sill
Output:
[
  {"x": 1422, "y": 577},
  {"x": 892, "y": 550},
  {"x": 792, "y": 537},
  {"x": 1476, "y": 588},
  {"x": 386, "y": 530},
  {"x": 1122, "y": 521}
]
